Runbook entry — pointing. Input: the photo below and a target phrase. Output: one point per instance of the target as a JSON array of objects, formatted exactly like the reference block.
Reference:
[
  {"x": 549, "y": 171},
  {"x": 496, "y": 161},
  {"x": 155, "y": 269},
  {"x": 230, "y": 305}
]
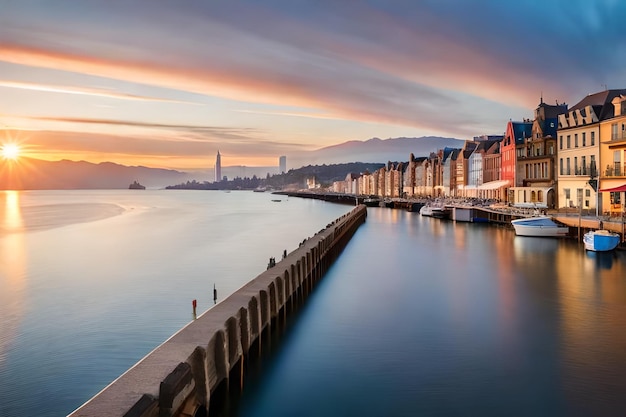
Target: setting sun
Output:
[{"x": 10, "y": 151}]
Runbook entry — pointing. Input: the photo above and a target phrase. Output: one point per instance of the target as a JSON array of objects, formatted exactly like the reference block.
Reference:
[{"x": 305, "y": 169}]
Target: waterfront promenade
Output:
[{"x": 491, "y": 211}]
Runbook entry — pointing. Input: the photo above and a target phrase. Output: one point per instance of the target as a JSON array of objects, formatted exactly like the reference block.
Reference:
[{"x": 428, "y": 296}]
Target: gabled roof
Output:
[
  {"x": 451, "y": 154},
  {"x": 550, "y": 111},
  {"x": 446, "y": 152},
  {"x": 600, "y": 102},
  {"x": 469, "y": 148},
  {"x": 522, "y": 130},
  {"x": 485, "y": 145},
  {"x": 549, "y": 126},
  {"x": 495, "y": 148}
]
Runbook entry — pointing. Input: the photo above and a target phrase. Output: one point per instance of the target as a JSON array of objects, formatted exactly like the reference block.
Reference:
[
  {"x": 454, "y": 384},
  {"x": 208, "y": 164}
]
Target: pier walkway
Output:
[{"x": 182, "y": 375}]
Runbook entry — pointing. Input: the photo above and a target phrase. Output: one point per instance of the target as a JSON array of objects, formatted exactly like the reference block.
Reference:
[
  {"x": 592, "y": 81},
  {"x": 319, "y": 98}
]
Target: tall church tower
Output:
[{"x": 218, "y": 167}]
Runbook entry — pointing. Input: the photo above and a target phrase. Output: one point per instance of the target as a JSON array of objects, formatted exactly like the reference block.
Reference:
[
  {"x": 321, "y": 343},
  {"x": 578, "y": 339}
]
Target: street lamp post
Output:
[{"x": 593, "y": 182}]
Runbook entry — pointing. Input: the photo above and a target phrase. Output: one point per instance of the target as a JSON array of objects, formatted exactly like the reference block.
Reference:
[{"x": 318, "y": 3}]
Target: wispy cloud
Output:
[
  {"x": 290, "y": 114},
  {"x": 129, "y": 123},
  {"x": 449, "y": 66},
  {"x": 85, "y": 91}
]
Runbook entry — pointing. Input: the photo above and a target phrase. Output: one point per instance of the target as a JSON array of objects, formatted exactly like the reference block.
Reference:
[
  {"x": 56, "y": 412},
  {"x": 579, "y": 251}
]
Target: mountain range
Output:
[
  {"x": 374, "y": 150},
  {"x": 34, "y": 174}
]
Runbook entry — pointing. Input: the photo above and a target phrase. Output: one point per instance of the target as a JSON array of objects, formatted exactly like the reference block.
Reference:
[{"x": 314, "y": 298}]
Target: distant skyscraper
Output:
[
  {"x": 218, "y": 167},
  {"x": 282, "y": 164}
]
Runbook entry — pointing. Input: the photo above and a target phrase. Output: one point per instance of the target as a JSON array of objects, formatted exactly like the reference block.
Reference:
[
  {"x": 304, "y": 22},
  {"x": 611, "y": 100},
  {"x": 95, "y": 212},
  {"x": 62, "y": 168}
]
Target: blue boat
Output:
[{"x": 601, "y": 240}]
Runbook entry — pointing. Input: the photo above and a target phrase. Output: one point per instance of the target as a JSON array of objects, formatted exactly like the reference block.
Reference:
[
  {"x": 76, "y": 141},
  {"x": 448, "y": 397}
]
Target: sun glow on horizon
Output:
[{"x": 10, "y": 151}]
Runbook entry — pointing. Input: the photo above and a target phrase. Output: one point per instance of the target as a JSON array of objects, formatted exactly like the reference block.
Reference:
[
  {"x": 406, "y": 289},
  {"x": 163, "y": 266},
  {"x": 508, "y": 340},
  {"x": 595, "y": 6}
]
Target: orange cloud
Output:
[
  {"x": 419, "y": 65},
  {"x": 335, "y": 93}
]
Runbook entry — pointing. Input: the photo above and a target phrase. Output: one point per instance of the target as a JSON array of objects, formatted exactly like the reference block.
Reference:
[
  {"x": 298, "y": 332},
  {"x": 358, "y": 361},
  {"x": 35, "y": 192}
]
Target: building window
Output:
[
  {"x": 539, "y": 195},
  {"x": 561, "y": 166},
  {"x": 593, "y": 138},
  {"x": 569, "y": 142},
  {"x": 583, "y": 165},
  {"x": 592, "y": 166},
  {"x": 587, "y": 192},
  {"x": 551, "y": 149},
  {"x": 567, "y": 194},
  {"x": 576, "y": 166},
  {"x": 575, "y": 140},
  {"x": 561, "y": 142},
  {"x": 613, "y": 131},
  {"x": 567, "y": 167},
  {"x": 584, "y": 138}
]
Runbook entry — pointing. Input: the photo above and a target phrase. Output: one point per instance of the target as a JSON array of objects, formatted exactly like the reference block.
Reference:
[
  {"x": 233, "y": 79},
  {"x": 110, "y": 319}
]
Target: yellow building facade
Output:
[{"x": 612, "y": 168}]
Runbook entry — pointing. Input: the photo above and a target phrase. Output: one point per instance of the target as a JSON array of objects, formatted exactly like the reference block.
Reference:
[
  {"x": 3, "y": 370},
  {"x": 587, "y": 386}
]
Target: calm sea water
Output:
[
  {"x": 423, "y": 317},
  {"x": 91, "y": 281}
]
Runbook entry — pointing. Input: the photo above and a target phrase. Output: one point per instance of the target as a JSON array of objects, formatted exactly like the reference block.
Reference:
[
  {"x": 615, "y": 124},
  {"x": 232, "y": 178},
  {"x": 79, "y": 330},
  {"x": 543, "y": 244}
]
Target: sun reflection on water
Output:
[{"x": 12, "y": 269}]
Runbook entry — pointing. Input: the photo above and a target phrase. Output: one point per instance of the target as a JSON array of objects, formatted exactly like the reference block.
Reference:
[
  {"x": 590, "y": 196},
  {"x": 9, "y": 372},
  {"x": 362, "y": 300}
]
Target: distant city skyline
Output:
[{"x": 176, "y": 81}]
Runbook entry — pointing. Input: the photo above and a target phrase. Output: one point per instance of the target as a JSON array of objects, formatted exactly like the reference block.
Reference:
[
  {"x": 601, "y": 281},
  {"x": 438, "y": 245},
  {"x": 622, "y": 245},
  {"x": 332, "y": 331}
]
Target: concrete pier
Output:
[{"x": 180, "y": 376}]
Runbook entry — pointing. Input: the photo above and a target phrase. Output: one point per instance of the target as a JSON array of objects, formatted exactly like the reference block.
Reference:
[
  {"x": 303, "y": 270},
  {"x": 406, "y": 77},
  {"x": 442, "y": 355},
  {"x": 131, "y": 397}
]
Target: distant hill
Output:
[
  {"x": 374, "y": 150},
  {"x": 35, "y": 174},
  {"x": 324, "y": 174},
  {"x": 294, "y": 179}
]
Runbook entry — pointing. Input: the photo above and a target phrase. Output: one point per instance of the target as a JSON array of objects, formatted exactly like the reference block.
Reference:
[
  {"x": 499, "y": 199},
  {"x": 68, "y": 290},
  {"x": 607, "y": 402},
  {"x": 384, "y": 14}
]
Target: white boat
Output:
[
  {"x": 541, "y": 226},
  {"x": 426, "y": 211},
  {"x": 601, "y": 240},
  {"x": 435, "y": 211}
]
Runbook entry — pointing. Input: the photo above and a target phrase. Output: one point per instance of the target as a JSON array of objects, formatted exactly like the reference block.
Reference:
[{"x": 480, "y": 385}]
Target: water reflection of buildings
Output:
[
  {"x": 592, "y": 300},
  {"x": 587, "y": 294},
  {"x": 12, "y": 268}
]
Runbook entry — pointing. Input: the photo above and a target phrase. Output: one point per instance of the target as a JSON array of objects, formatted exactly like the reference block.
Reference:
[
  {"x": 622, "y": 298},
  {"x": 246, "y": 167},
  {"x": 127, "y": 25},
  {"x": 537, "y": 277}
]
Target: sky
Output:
[{"x": 167, "y": 84}]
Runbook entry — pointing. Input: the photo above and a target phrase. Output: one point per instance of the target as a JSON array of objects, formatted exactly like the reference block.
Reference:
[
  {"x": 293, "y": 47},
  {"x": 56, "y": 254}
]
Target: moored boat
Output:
[
  {"x": 440, "y": 212},
  {"x": 371, "y": 202},
  {"x": 540, "y": 226},
  {"x": 601, "y": 240},
  {"x": 435, "y": 211},
  {"x": 426, "y": 211}
]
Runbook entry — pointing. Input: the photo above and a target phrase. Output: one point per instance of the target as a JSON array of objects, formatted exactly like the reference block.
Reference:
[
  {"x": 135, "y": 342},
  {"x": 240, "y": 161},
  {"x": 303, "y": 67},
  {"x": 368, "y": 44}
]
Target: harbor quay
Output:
[
  {"x": 194, "y": 367},
  {"x": 477, "y": 210}
]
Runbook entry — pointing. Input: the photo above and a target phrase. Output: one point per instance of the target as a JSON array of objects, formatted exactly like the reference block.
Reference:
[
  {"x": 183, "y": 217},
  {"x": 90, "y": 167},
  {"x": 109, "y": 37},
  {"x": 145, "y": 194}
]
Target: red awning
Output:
[{"x": 620, "y": 189}]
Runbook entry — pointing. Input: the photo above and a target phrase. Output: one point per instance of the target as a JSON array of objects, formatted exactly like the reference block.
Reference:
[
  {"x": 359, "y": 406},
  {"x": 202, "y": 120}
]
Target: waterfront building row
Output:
[{"x": 563, "y": 158}]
